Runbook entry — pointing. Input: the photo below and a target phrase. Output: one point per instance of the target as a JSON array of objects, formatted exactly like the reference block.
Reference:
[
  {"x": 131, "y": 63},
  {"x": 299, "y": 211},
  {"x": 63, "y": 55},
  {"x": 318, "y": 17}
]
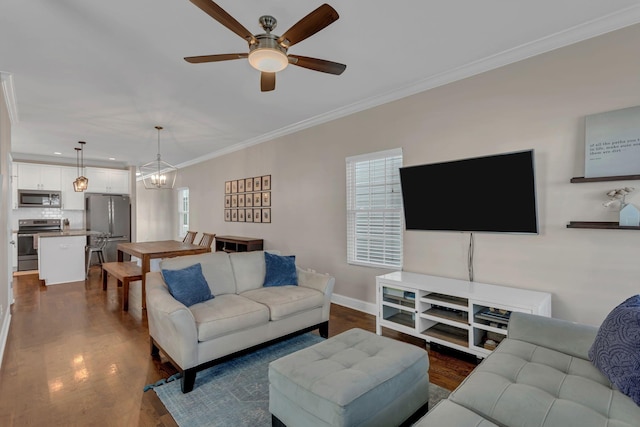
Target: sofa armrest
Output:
[
  {"x": 171, "y": 323},
  {"x": 318, "y": 281},
  {"x": 567, "y": 337}
]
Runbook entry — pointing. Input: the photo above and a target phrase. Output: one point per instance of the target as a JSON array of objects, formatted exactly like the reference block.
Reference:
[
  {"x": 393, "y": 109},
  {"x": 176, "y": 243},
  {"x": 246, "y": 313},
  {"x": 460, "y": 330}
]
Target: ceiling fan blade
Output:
[
  {"x": 317, "y": 64},
  {"x": 309, "y": 25},
  {"x": 267, "y": 81},
  {"x": 220, "y": 15},
  {"x": 215, "y": 58}
]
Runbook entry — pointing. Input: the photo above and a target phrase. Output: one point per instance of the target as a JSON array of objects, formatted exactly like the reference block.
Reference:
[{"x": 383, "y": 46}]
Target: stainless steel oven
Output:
[{"x": 28, "y": 230}]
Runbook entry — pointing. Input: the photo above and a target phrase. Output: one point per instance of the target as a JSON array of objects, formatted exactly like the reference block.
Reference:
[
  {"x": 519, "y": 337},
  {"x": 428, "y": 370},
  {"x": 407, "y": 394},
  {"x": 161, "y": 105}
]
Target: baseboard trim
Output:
[
  {"x": 356, "y": 304},
  {"x": 4, "y": 334}
]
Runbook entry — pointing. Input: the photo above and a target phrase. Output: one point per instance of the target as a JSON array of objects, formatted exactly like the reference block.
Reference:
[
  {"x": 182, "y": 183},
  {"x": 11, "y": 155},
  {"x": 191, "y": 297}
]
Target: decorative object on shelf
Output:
[
  {"x": 158, "y": 174},
  {"x": 251, "y": 192},
  {"x": 618, "y": 196},
  {"x": 629, "y": 214},
  {"x": 81, "y": 183},
  {"x": 612, "y": 143}
]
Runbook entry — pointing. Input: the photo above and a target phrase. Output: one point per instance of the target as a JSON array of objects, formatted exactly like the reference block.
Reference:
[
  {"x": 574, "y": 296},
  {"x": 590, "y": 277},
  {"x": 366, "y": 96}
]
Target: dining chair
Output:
[
  {"x": 207, "y": 239},
  {"x": 99, "y": 243},
  {"x": 190, "y": 237}
]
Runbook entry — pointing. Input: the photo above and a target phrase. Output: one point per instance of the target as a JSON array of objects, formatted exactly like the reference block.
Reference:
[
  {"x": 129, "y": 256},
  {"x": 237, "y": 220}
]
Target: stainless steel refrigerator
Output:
[{"x": 111, "y": 214}]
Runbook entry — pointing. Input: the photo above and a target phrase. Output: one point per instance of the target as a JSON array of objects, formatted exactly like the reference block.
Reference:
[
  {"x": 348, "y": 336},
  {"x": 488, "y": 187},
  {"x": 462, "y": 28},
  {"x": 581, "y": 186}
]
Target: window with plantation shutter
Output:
[
  {"x": 374, "y": 209},
  {"x": 183, "y": 212}
]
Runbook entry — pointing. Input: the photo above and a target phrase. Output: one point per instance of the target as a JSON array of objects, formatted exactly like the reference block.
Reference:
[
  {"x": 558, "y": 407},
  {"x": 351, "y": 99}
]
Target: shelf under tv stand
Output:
[{"x": 453, "y": 313}]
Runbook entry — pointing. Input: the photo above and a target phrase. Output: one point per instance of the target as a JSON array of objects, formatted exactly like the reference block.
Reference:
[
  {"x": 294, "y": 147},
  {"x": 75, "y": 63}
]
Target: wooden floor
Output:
[{"x": 74, "y": 358}]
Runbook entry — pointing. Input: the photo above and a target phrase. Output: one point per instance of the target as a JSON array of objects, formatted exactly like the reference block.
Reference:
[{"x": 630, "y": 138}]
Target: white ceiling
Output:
[{"x": 107, "y": 72}]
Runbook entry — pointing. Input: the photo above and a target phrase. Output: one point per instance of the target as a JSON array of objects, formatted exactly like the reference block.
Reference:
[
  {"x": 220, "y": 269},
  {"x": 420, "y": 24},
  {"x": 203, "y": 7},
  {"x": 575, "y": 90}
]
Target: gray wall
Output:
[{"x": 538, "y": 103}]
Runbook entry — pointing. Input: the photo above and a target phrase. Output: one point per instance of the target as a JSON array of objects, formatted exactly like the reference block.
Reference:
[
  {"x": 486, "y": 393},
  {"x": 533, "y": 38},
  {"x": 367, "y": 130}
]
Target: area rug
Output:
[{"x": 236, "y": 392}]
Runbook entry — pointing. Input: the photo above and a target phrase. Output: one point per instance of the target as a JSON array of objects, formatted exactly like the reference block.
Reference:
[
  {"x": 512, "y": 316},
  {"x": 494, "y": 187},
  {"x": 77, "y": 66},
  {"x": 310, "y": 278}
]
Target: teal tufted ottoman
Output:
[{"x": 356, "y": 378}]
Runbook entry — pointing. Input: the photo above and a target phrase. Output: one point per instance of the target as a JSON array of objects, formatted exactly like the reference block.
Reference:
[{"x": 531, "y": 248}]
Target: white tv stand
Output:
[{"x": 454, "y": 313}]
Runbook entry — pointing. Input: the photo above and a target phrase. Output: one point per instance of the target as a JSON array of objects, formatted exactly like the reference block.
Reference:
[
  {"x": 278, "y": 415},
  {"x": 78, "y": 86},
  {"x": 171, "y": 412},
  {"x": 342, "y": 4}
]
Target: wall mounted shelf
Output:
[
  {"x": 599, "y": 225},
  {"x": 581, "y": 179}
]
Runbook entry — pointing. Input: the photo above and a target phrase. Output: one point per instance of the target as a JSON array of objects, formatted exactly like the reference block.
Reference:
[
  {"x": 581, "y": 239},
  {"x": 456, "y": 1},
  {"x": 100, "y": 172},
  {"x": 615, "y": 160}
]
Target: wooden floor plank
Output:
[{"x": 73, "y": 357}]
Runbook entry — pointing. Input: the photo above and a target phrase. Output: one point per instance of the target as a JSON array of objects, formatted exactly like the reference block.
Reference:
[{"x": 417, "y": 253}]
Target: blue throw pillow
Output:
[
  {"x": 281, "y": 270},
  {"x": 188, "y": 285},
  {"x": 616, "y": 349}
]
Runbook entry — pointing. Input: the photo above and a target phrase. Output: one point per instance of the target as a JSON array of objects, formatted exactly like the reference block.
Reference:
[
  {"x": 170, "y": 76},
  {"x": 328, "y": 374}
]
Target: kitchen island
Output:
[{"x": 61, "y": 256}]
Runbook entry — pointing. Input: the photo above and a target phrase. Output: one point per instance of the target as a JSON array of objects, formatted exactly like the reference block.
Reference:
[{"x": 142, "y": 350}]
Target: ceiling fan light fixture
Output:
[{"x": 268, "y": 60}]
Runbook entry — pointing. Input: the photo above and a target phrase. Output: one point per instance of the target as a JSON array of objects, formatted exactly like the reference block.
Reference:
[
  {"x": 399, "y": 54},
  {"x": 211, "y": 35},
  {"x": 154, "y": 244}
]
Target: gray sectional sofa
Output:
[
  {"x": 242, "y": 315},
  {"x": 539, "y": 376}
]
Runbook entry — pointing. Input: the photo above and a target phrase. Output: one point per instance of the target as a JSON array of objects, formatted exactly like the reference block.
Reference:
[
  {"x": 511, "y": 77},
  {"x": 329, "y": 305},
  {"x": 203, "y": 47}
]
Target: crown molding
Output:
[
  {"x": 66, "y": 161},
  {"x": 6, "y": 81},
  {"x": 608, "y": 23}
]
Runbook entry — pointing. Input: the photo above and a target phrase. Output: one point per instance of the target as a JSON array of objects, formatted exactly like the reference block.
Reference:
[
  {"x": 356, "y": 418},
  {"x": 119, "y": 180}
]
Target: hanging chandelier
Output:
[
  {"x": 81, "y": 183},
  {"x": 158, "y": 175}
]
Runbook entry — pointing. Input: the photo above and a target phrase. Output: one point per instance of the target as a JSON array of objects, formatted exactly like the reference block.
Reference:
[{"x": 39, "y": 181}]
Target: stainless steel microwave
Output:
[{"x": 38, "y": 198}]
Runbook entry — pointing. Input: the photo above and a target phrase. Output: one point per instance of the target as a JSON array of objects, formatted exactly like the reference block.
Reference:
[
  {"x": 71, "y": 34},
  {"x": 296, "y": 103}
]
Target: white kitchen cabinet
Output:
[
  {"x": 61, "y": 259},
  {"x": 468, "y": 316},
  {"x": 34, "y": 176},
  {"x": 103, "y": 180},
  {"x": 71, "y": 199}
]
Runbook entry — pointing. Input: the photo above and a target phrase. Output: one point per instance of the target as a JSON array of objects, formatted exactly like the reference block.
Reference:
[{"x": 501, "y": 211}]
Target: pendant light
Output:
[
  {"x": 158, "y": 175},
  {"x": 81, "y": 183}
]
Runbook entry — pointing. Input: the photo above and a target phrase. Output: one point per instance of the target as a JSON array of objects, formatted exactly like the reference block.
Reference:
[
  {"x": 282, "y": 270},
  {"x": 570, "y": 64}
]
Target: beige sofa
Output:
[
  {"x": 539, "y": 376},
  {"x": 242, "y": 316}
]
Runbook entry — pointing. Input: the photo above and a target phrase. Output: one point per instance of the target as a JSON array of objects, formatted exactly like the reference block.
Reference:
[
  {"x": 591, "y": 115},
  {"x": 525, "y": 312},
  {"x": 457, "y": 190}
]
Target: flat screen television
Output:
[{"x": 494, "y": 194}]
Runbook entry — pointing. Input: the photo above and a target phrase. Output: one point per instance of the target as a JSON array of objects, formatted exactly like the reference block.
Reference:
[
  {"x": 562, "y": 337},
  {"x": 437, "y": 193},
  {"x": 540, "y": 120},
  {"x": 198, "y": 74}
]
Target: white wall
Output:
[
  {"x": 155, "y": 214},
  {"x": 538, "y": 103},
  {"x": 5, "y": 189}
]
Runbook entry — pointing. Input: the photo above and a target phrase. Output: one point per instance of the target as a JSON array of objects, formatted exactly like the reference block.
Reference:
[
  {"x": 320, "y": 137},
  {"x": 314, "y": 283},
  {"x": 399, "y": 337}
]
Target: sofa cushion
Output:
[
  {"x": 226, "y": 314},
  {"x": 249, "y": 270},
  {"x": 187, "y": 285},
  {"x": 616, "y": 349},
  {"x": 216, "y": 269},
  {"x": 448, "y": 414},
  {"x": 284, "y": 301},
  {"x": 280, "y": 270},
  {"x": 528, "y": 385}
]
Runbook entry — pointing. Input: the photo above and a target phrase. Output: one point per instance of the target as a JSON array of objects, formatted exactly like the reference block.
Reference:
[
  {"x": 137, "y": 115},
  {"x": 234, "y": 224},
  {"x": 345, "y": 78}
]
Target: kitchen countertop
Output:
[{"x": 68, "y": 233}]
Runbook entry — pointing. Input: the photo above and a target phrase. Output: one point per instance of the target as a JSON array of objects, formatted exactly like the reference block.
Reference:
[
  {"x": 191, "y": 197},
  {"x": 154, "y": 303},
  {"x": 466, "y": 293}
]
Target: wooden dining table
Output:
[{"x": 147, "y": 251}]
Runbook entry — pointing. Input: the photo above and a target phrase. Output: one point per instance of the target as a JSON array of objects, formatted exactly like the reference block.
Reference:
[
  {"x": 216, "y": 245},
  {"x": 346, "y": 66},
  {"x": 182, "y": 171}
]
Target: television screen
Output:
[{"x": 494, "y": 194}]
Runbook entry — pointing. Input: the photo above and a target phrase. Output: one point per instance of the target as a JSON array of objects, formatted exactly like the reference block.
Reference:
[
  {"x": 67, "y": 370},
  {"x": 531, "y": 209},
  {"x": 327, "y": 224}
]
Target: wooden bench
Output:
[{"x": 125, "y": 272}]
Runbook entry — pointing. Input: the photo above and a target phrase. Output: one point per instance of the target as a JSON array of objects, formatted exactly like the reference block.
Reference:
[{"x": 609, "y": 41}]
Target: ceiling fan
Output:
[{"x": 268, "y": 52}]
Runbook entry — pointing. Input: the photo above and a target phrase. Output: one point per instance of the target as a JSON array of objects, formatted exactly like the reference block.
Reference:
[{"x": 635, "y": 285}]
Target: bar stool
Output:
[{"x": 97, "y": 248}]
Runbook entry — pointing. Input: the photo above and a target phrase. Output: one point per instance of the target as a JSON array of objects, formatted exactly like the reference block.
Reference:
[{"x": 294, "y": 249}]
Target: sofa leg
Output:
[
  {"x": 324, "y": 329},
  {"x": 155, "y": 351},
  {"x": 416, "y": 415},
  {"x": 275, "y": 422},
  {"x": 188, "y": 380}
]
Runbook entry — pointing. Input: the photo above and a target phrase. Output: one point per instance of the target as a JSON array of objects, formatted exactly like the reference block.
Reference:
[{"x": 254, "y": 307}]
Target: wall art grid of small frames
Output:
[{"x": 248, "y": 200}]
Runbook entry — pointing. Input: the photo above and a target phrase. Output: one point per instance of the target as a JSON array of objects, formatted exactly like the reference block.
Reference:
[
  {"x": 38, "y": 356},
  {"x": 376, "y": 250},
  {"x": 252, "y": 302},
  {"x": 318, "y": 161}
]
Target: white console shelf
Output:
[{"x": 454, "y": 313}]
